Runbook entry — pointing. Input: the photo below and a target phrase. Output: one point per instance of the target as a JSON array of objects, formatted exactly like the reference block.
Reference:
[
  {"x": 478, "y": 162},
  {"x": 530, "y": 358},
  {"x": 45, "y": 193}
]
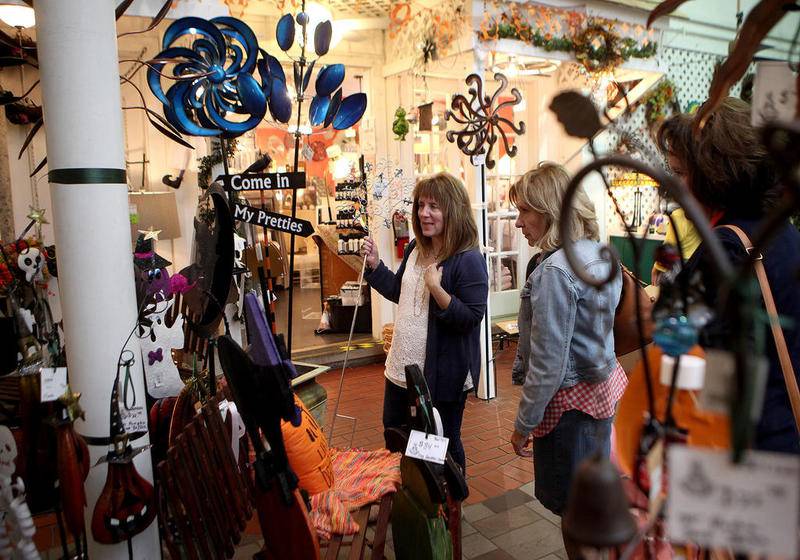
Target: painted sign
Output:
[
  {"x": 263, "y": 181},
  {"x": 271, "y": 220}
]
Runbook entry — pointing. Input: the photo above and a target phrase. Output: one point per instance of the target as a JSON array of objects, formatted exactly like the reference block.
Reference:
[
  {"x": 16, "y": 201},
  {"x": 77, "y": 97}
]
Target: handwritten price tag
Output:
[
  {"x": 749, "y": 507},
  {"x": 53, "y": 382},
  {"x": 134, "y": 419},
  {"x": 427, "y": 447}
]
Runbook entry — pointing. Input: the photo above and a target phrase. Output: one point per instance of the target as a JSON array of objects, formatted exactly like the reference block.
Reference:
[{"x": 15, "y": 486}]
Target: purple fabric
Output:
[{"x": 263, "y": 350}]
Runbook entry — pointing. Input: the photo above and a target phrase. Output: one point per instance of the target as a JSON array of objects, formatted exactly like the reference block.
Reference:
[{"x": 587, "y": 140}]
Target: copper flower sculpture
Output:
[{"x": 482, "y": 120}]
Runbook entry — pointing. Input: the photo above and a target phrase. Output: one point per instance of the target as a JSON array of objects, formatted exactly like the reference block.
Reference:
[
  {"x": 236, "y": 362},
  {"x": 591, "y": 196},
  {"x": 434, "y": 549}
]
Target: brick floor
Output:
[{"x": 492, "y": 466}]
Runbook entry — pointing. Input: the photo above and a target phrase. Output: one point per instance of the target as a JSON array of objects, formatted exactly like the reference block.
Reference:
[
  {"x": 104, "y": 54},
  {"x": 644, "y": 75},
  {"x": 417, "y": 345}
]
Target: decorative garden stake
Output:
[
  {"x": 483, "y": 125},
  {"x": 328, "y": 106}
]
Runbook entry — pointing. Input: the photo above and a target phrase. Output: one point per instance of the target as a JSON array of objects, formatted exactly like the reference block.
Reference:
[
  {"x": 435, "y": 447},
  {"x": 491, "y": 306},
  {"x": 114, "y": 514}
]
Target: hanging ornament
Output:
[{"x": 126, "y": 505}]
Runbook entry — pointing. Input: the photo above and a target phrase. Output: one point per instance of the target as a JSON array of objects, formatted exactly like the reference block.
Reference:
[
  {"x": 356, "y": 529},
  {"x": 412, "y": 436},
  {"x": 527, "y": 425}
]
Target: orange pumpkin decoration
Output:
[{"x": 308, "y": 452}]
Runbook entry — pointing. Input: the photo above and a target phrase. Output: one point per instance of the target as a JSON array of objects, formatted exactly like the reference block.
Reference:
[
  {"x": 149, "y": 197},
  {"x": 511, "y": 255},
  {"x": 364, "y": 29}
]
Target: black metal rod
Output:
[
  {"x": 62, "y": 534},
  {"x": 298, "y": 90}
]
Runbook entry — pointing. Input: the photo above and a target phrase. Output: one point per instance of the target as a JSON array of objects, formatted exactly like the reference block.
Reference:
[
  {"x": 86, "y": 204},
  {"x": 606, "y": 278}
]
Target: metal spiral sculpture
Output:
[{"x": 483, "y": 123}]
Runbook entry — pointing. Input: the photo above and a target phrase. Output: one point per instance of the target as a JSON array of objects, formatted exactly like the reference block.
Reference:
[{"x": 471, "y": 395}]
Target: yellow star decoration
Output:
[
  {"x": 37, "y": 215},
  {"x": 70, "y": 402},
  {"x": 150, "y": 233}
]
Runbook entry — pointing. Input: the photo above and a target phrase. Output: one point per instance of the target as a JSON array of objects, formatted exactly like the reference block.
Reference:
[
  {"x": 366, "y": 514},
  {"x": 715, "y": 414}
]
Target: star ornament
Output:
[
  {"x": 150, "y": 233},
  {"x": 37, "y": 215},
  {"x": 70, "y": 402}
]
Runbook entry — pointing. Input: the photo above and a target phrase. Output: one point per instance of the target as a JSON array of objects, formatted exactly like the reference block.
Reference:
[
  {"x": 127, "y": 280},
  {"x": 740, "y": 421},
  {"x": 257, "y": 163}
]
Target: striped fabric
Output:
[{"x": 360, "y": 477}]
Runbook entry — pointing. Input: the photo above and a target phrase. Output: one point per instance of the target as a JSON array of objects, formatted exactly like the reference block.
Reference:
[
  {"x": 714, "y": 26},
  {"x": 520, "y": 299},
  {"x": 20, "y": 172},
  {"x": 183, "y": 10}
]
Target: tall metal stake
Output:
[{"x": 294, "y": 194}]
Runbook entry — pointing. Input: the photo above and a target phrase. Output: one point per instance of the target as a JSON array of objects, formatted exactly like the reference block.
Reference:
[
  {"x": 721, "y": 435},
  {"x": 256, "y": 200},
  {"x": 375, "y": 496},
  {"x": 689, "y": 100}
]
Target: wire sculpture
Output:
[{"x": 482, "y": 119}]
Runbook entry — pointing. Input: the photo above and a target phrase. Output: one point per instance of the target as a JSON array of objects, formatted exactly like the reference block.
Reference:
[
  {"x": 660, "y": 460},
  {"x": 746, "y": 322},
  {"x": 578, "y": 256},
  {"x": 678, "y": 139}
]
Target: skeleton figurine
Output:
[
  {"x": 31, "y": 262},
  {"x": 16, "y": 524}
]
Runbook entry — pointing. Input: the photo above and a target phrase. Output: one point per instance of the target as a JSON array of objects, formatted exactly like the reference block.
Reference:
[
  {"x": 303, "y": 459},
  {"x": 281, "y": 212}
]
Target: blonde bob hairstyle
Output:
[
  {"x": 542, "y": 189},
  {"x": 460, "y": 231}
]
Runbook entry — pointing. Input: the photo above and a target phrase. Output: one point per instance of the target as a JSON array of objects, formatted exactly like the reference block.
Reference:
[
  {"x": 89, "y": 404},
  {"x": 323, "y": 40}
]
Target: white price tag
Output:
[
  {"x": 427, "y": 447},
  {"x": 749, "y": 507},
  {"x": 53, "y": 382},
  {"x": 307, "y": 152},
  {"x": 479, "y": 159},
  {"x": 133, "y": 419}
]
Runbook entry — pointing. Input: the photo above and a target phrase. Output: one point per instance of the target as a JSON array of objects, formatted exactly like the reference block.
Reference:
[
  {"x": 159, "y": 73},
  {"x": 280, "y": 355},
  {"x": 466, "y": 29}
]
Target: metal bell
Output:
[{"x": 598, "y": 514}]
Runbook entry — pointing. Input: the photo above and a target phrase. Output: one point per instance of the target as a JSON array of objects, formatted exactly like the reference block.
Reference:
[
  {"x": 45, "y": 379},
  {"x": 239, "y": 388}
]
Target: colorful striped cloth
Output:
[{"x": 360, "y": 477}]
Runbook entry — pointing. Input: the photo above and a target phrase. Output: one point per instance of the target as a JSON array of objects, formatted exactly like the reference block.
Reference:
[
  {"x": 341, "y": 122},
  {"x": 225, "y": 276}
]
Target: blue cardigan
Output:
[{"x": 453, "y": 349}]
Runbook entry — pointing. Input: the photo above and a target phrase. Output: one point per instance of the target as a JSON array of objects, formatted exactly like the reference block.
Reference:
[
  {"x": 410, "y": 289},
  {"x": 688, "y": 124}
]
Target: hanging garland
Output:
[{"x": 593, "y": 40}]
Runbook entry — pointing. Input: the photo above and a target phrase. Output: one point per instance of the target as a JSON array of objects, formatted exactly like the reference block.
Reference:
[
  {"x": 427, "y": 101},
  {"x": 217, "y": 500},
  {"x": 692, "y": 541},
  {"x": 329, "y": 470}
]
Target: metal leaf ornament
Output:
[
  {"x": 328, "y": 105},
  {"x": 483, "y": 123},
  {"x": 214, "y": 78},
  {"x": 577, "y": 113}
]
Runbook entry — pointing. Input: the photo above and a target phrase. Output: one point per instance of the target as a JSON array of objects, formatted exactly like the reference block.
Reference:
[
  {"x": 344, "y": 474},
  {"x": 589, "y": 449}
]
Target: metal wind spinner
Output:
[{"x": 483, "y": 124}]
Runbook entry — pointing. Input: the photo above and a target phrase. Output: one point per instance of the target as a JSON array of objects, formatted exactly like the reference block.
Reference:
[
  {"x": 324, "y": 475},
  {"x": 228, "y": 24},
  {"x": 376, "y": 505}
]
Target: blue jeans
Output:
[
  {"x": 395, "y": 415},
  {"x": 556, "y": 456}
]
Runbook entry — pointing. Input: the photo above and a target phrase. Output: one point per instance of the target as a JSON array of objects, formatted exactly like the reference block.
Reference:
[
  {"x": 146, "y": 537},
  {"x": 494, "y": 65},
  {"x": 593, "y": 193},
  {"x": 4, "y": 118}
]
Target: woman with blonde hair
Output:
[
  {"x": 566, "y": 343},
  {"x": 441, "y": 289}
]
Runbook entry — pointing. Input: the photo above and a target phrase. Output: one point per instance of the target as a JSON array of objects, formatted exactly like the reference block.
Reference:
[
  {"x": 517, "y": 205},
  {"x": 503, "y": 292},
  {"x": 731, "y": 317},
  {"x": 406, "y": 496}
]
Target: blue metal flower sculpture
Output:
[
  {"x": 328, "y": 107},
  {"x": 213, "y": 78}
]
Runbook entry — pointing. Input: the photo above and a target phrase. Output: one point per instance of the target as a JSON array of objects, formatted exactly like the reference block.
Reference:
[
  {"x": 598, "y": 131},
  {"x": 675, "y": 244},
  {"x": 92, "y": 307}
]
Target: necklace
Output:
[{"x": 420, "y": 289}]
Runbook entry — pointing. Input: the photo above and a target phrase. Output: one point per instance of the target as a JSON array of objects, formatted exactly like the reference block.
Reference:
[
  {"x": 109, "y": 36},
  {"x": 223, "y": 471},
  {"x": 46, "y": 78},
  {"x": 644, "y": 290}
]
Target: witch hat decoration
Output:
[
  {"x": 145, "y": 257},
  {"x": 126, "y": 505}
]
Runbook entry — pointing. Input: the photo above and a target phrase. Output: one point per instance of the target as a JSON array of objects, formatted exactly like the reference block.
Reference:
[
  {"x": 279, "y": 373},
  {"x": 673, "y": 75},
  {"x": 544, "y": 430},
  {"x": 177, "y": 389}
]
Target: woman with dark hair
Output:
[
  {"x": 728, "y": 170},
  {"x": 441, "y": 289}
]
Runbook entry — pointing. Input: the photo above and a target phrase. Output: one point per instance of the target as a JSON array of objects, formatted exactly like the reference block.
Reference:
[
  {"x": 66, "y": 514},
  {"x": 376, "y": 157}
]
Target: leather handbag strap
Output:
[{"x": 777, "y": 332}]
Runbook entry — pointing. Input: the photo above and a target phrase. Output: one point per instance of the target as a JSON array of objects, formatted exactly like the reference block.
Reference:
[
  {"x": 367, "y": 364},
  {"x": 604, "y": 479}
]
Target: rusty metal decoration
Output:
[{"x": 483, "y": 124}]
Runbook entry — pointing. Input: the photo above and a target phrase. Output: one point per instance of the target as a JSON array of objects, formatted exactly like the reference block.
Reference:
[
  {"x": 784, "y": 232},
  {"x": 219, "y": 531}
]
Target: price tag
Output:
[
  {"x": 53, "y": 382},
  {"x": 479, "y": 159},
  {"x": 427, "y": 447},
  {"x": 307, "y": 152},
  {"x": 749, "y": 507},
  {"x": 223, "y": 408},
  {"x": 134, "y": 419}
]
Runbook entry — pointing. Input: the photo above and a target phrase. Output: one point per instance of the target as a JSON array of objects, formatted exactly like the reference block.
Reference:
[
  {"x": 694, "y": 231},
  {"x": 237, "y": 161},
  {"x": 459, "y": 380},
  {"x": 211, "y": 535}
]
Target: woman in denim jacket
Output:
[
  {"x": 441, "y": 289},
  {"x": 566, "y": 349}
]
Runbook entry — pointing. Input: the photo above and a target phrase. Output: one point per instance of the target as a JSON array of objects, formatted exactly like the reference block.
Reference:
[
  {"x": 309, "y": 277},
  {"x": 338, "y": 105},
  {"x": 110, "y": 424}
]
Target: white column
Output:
[
  {"x": 487, "y": 384},
  {"x": 81, "y": 95}
]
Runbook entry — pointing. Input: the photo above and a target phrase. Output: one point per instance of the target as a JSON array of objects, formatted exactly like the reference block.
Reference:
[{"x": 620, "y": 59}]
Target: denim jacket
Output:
[{"x": 566, "y": 330}]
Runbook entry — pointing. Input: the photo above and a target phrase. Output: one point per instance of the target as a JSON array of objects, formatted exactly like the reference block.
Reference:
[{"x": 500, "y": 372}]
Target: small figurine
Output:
[{"x": 400, "y": 125}]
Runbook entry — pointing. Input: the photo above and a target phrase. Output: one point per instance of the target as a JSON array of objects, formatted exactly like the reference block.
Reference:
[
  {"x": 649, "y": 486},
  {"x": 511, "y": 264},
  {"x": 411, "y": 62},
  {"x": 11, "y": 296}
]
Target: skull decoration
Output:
[
  {"x": 8, "y": 453},
  {"x": 239, "y": 244},
  {"x": 30, "y": 262}
]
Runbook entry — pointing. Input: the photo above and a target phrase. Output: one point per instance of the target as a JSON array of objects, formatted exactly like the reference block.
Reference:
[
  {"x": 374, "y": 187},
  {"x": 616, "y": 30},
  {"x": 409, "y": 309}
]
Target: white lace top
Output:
[{"x": 410, "y": 337}]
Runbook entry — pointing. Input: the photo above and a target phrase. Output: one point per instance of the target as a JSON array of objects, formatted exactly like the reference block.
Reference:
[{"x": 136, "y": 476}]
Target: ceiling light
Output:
[{"x": 17, "y": 13}]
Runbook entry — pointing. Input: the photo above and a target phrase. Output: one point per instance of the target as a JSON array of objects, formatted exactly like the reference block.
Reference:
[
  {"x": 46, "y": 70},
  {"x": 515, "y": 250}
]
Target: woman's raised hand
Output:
[{"x": 370, "y": 249}]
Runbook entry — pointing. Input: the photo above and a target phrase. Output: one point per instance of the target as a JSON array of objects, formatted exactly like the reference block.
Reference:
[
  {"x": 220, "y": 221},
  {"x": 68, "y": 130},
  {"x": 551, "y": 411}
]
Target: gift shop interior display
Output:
[{"x": 186, "y": 192}]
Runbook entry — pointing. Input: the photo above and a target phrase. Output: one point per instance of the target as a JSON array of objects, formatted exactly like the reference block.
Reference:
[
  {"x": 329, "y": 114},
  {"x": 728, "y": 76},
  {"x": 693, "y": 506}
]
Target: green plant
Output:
[
  {"x": 658, "y": 100},
  {"x": 208, "y": 162}
]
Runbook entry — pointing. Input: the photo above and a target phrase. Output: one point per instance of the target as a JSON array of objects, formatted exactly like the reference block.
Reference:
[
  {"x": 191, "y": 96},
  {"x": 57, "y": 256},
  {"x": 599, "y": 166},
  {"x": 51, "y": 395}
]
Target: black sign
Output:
[
  {"x": 263, "y": 181},
  {"x": 271, "y": 220}
]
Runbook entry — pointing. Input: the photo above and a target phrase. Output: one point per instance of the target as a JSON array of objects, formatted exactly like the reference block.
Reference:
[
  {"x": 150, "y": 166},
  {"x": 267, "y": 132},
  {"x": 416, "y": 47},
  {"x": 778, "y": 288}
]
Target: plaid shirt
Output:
[{"x": 598, "y": 400}]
